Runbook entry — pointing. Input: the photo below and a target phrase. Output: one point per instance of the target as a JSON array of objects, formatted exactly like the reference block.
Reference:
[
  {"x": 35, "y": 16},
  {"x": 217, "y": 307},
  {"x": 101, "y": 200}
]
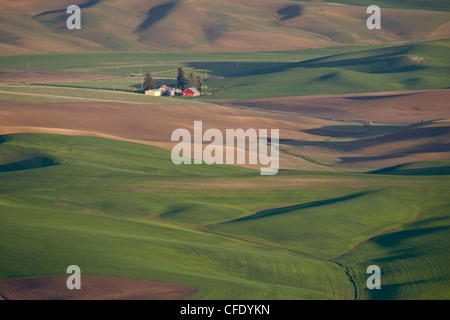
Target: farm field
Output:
[
  {"x": 341, "y": 70},
  {"x": 86, "y": 169},
  {"x": 146, "y": 209},
  {"x": 139, "y": 192}
]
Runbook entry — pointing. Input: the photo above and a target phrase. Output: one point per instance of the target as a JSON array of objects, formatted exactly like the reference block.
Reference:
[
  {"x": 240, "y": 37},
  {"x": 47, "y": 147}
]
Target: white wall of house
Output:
[{"x": 155, "y": 92}]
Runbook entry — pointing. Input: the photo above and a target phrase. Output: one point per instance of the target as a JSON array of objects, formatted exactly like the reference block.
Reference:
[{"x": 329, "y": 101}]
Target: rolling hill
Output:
[
  {"x": 219, "y": 25},
  {"x": 413, "y": 66},
  {"x": 402, "y": 4},
  {"x": 86, "y": 175},
  {"x": 121, "y": 209}
]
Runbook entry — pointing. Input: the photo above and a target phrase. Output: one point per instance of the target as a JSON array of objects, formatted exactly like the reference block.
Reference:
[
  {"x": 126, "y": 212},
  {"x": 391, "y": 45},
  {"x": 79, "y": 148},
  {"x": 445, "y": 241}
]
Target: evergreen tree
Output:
[
  {"x": 182, "y": 81},
  {"x": 149, "y": 83},
  {"x": 200, "y": 82},
  {"x": 193, "y": 83}
]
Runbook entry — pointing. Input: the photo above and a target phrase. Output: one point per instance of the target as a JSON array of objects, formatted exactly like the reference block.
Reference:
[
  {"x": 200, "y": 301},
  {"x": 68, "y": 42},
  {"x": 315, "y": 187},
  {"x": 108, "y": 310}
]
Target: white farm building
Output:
[{"x": 154, "y": 92}]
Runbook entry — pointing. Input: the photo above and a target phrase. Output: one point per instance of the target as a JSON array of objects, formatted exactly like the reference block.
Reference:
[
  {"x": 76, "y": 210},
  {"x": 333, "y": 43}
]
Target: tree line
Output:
[
  {"x": 192, "y": 81},
  {"x": 183, "y": 82}
]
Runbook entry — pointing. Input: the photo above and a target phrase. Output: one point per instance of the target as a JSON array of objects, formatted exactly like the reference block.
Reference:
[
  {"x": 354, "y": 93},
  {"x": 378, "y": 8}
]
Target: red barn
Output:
[{"x": 191, "y": 92}]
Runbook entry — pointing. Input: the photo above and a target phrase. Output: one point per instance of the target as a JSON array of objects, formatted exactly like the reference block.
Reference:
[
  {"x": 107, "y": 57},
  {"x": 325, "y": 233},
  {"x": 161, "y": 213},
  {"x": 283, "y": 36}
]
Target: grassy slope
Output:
[
  {"x": 327, "y": 227},
  {"x": 414, "y": 66},
  {"x": 151, "y": 25},
  {"x": 417, "y": 168},
  {"x": 122, "y": 209},
  {"x": 123, "y": 63},
  {"x": 405, "y": 67},
  {"x": 418, "y": 250},
  {"x": 87, "y": 209}
]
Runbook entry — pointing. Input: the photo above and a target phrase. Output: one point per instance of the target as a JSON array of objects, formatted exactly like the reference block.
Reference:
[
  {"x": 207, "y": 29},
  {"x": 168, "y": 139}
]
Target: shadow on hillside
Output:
[
  {"x": 290, "y": 12},
  {"x": 404, "y": 134},
  {"x": 32, "y": 163},
  {"x": 347, "y": 160},
  {"x": 84, "y": 5},
  {"x": 4, "y": 139},
  {"x": 387, "y": 60},
  {"x": 404, "y": 170},
  {"x": 392, "y": 239},
  {"x": 233, "y": 68},
  {"x": 156, "y": 14},
  {"x": 380, "y": 97},
  {"x": 283, "y": 210},
  {"x": 348, "y": 131}
]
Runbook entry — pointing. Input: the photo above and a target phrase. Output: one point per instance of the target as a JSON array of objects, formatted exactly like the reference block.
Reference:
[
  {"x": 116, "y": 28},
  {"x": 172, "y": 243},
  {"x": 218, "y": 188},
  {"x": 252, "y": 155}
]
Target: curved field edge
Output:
[
  {"x": 81, "y": 211},
  {"x": 208, "y": 263},
  {"x": 109, "y": 206},
  {"x": 410, "y": 245},
  {"x": 412, "y": 258}
]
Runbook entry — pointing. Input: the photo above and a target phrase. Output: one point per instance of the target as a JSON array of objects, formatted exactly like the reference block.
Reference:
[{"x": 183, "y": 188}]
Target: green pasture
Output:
[
  {"x": 124, "y": 63},
  {"x": 32, "y": 94},
  {"x": 414, "y": 66},
  {"x": 123, "y": 209},
  {"x": 417, "y": 66}
]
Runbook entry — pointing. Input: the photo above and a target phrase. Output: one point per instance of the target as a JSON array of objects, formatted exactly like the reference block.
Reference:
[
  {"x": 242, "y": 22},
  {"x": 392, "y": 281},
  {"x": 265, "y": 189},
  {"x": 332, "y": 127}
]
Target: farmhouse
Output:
[
  {"x": 166, "y": 87},
  {"x": 191, "y": 92},
  {"x": 154, "y": 92},
  {"x": 169, "y": 91}
]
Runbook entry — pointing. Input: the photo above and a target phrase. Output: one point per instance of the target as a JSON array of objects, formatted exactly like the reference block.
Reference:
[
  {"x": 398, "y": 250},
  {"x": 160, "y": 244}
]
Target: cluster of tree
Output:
[
  {"x": 195, "y": 81},
  {"x": 192, "y": 80},
  {"x": 183, "y": 82}
]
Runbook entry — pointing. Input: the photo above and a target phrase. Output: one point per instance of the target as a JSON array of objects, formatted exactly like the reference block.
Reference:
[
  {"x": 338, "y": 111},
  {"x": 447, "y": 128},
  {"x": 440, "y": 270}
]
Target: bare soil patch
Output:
[
  {"x": 92, "y": 288},
  {"x": 307, "y": 141},
  {"x": 405, "y": 107},
  {"x": 141, "y": 122},
  {"x": 148, "y": 125}
]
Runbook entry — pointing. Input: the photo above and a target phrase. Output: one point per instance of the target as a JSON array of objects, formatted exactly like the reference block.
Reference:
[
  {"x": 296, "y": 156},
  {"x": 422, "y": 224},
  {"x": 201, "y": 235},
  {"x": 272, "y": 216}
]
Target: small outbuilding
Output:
[
  {"x": 154, "y": 92},
  {"x": 191, "y": 92},
  {"x": 168, "y": 91}
]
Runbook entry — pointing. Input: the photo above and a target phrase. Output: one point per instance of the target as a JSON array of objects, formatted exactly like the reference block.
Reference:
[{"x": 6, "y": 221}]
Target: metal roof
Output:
[{"x": 193, "y": 90}]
